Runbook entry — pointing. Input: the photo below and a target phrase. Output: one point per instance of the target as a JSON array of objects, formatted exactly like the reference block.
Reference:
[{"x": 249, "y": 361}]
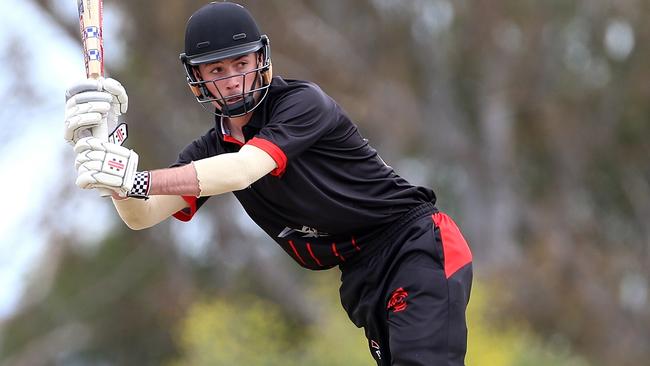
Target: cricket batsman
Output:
[{"x": 303, "y": 173}]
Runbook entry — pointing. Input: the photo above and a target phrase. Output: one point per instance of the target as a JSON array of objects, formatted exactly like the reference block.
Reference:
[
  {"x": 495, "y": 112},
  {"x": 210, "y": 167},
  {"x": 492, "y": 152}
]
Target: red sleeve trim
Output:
[
  {"x": 187, "y": 214},
  {"x": 274, "y": 151}
]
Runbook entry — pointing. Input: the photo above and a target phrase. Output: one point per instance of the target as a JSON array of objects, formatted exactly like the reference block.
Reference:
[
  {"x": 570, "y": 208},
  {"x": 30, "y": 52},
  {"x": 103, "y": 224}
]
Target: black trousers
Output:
[{"x": 410, "y": 295}]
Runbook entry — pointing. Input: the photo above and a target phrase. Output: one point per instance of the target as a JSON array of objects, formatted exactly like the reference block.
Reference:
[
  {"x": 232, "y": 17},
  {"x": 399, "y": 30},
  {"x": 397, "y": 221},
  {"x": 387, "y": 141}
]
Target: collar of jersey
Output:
[
  {"x": 256, "y": 121},
  {"x": 225, "y": 131},
  {"x": 226, "y": 136}
]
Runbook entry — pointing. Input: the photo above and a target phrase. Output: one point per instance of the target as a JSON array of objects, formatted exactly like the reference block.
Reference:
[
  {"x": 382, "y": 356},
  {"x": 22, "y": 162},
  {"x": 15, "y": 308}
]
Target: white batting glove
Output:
[
  {"x": 93, "y": 107},
  {"x": 102, "y": 164}
]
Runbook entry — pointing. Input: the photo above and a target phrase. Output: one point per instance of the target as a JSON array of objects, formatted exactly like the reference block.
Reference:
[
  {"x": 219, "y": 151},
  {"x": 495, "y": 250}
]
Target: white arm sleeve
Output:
[
  {"x": 140, "y": 214},
  {"x": 232, "y": 171},
  {"x": 218, "y": 174}
]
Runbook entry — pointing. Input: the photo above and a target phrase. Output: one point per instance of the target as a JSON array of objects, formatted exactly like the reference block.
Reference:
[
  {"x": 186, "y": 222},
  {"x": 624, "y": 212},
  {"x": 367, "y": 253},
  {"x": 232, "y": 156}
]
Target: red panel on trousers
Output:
[{"x": 455, "y": 248}]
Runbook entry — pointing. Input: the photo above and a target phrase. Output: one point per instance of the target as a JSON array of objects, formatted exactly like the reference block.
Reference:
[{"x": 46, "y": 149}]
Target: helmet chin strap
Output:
[{"x": 239, "y": 108}]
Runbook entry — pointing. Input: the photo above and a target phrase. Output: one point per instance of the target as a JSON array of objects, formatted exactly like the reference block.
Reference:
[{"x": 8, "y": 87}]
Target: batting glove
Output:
[
  {"x": 102, "y": 164},
  {"x": 93, "y": 107}
]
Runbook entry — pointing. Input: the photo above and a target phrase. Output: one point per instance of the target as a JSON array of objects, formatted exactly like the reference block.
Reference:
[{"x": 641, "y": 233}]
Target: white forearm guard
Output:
[
  {"x": 141, "y": 214},
  {"x": 233, "y": 171}
]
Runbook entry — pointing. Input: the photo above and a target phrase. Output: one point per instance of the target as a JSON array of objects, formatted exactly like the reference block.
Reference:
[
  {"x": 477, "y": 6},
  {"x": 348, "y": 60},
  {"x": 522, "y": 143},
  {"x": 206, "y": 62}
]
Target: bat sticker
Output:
[
  {"x": 91, "y": 32},
  {"x": 94, "y": 55}
]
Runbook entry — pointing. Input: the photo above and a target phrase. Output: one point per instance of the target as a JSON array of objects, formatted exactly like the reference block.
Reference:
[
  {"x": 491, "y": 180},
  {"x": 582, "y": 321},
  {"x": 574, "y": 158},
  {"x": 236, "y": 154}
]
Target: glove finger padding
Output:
[
  {"x": 88, "y": 143},
  {"x": 91, "y": 165},
  {"x": 105, "y": 165},
  {"x": 85, "y": 179},
  {"x": 89, "y": 96},
  {"x": 120, "y": 99},
  {"x": 96, "y": 179},
  {"x": 76, "y": 126},
  {"x": 88, "y": 107},
  {"x": 106, "y": 98},
  {"x": 112, "y": 86},
  {"x": 95, "y": 144},
  {"x": 83, "y": 86},
  {"x": 87, "y": 156},
  {"x": 86, "y": 112}
]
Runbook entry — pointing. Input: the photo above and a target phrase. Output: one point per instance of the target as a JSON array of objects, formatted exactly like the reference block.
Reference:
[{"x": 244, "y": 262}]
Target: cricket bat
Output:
[{"x": 91, "y": 28}]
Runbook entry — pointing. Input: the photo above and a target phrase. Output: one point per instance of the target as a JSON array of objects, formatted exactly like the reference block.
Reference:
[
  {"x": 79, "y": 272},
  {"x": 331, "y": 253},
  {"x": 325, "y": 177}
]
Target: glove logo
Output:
[
  {"x": 116, "y": 164},
  {"x": 397, "y": 300},
  {"x": 119, "y": 135}
]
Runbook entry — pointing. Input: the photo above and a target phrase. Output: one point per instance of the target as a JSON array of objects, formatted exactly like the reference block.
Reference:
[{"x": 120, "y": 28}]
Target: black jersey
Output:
[{"x": 331, "y": 194}]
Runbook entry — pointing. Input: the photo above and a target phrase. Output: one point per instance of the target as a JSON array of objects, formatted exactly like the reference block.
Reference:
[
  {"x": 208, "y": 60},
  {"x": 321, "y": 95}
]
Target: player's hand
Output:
[
  {"x": 92, "y": 108},
  {"x": 102, "y": 164}
]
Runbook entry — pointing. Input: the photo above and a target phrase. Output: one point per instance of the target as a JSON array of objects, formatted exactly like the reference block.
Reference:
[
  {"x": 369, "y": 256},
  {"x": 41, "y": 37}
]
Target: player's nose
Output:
[{"x": 233, "y": 82}]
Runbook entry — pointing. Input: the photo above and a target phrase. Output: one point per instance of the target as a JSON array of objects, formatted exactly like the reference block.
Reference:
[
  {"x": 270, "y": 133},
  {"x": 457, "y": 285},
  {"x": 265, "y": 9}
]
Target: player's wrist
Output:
[{"x": 141, "y": 185}]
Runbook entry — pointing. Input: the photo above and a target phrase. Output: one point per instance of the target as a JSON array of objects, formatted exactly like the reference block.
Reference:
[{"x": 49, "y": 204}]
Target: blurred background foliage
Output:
[{"x": 528, "y": 118}]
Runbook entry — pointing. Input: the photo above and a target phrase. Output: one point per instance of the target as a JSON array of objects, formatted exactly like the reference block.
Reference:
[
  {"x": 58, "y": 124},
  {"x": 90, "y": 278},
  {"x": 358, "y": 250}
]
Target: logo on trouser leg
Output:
[
  {"x": 375, "y": 348},
  {"x": 397, "y": 300}
]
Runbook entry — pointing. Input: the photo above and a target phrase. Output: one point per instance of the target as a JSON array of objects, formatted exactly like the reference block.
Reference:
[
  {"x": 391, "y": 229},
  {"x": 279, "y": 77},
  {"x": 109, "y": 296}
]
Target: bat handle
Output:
[{"x": 101, "y": 132}]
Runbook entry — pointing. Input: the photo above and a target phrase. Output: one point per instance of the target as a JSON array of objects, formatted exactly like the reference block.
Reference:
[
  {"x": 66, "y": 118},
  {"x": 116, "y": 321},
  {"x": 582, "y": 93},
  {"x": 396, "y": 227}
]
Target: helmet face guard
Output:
[
  {"x": 219, "y": 31},
  {"x": 246, "y": 100}
]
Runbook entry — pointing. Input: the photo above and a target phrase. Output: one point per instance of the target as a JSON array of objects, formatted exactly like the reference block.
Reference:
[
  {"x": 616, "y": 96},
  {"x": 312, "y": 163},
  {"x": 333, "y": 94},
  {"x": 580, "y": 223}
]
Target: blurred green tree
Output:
[{"x": 248, "y": 330}]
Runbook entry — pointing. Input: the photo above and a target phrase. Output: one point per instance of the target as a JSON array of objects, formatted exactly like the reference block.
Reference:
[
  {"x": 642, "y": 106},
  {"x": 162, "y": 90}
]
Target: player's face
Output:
[{"x": 230, "y": 78}]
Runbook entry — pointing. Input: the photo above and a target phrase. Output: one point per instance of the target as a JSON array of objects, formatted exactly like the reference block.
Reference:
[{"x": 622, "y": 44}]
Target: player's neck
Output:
[
  {"x": 239, "y": 122},
  {"x": 235, "y": 126}
]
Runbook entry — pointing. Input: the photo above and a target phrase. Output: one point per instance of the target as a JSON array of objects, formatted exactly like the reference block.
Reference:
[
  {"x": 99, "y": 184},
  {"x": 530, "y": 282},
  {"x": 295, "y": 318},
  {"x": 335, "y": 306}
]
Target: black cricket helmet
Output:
[{"x": 218, "y": 31}]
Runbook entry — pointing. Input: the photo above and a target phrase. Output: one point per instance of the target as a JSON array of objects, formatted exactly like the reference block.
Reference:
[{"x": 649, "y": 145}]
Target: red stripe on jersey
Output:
[
  {"x": 296, "y": 253},
  {"x": 455, "y": 248},
  {"x": 312, "y": 254},
  {"x": 336, "y": 252},
  {"x": 354, "y": 244},
  {"x": 228, "y": 138},
  {"x": 274, "y": 151},
  {"x": 183, "y": 214}
]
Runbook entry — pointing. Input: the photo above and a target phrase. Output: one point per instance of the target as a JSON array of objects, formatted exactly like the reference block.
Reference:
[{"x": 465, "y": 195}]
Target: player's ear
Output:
[
  {"x": 267, "y": 74},
  {"x": 197, "y": 76}
]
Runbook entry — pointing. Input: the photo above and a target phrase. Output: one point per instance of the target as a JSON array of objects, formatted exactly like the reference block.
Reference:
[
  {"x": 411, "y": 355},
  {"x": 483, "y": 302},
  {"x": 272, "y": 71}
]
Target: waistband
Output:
[{"x": 384, "y": 236}]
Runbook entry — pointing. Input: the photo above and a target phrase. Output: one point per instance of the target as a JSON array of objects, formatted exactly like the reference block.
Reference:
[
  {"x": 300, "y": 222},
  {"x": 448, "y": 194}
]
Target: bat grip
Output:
[{"x": 101, "y": 132}]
